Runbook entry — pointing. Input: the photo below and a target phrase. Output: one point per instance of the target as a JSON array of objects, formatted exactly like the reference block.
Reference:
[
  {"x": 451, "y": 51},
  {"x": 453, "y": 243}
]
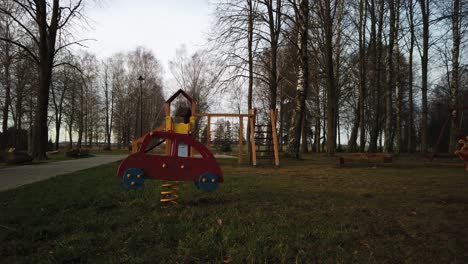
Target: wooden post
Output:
[
  {"x": 273, "y": 115},
  {"x": 241, "y": 133},
  {"x": 252, "y": 136},
  {"x": 208, "y": 132},
  {"x": 194, "y": 108},
  {"x": 168, "y": 127},
  {"x": 168, "y": 109}
]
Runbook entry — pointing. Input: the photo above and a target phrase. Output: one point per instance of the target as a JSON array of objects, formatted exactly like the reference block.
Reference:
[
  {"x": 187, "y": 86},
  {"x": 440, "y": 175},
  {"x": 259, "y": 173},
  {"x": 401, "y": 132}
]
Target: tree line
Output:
[
  {"x": 87, "y": 100},
  {"x": 363, "y": 75}
]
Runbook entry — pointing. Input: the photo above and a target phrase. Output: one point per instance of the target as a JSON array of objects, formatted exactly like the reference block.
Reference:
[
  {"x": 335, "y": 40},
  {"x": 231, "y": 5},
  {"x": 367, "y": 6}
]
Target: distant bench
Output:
[{"x": 367, "y": 158}]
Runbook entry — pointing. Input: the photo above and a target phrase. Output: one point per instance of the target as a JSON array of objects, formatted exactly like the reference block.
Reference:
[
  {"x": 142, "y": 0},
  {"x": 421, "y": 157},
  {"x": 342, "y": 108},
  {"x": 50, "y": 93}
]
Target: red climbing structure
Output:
[
  {"x": 463, "y": 151},
  {"x": 178, "y": 162}
]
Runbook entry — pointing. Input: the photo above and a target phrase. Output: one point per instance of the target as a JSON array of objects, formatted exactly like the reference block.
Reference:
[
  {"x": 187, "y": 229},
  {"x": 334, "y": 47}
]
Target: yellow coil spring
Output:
[{"x": 169, "y": 195}]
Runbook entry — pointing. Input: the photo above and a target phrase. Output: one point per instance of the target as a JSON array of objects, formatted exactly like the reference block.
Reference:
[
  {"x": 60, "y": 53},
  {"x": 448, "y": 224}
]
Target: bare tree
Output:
[
  {"x": 70, "y": 104},
  {"x": 325, "y": 13},
  {"x": 199, "y": 75},
  {"x": 273, "y": 20},
  {"x": 108, "y": 99},
  {"x": 59, "y": 90},
  {"x": 6, "y": 26},
  {"x": 454, "y": 87},
  {"x": 49, "y": 19}
]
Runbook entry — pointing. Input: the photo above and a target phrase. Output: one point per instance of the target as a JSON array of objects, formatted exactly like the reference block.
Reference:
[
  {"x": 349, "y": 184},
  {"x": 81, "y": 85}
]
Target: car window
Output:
[
  {"x": 182, "y": 149},
  {"x": 186, "y": 150},
  {"x": 157, "y": 146}
]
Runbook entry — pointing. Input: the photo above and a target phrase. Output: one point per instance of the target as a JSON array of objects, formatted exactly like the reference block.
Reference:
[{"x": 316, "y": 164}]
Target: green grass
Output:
[
  {"x": 51, "y": 158},
  {"x": 308, "y": 211},
  {"x": 110, "y": 152},
  {"x": 58, "y": 157}
]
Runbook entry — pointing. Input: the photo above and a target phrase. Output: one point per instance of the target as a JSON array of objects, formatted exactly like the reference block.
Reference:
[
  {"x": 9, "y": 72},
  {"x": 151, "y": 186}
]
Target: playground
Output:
[
  {"x": 179, "y": 203},
  {"x": 411, "y": 210}
]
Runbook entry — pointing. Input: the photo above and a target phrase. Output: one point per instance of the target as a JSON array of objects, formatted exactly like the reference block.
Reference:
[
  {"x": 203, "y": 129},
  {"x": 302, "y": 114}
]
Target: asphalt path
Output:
[{"x": 15, "y": 176}]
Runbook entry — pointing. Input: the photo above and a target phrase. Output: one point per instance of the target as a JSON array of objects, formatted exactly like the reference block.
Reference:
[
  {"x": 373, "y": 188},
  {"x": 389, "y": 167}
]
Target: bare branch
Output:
[{"x": 17, "y": 43}]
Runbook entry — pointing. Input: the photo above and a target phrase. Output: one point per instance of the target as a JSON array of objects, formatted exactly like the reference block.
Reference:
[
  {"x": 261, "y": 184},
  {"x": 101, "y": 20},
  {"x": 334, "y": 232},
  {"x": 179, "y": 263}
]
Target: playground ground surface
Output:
[{"x": 305, "y": 211}]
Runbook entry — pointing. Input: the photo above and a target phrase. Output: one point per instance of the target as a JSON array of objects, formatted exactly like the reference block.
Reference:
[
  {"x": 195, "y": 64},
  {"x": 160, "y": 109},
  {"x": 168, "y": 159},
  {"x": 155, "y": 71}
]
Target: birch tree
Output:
[{"x": 298, "y": 120}]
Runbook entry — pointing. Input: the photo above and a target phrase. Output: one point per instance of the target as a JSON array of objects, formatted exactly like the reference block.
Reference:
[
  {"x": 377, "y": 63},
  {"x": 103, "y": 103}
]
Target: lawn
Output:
[{"x": 307, "y": 211}]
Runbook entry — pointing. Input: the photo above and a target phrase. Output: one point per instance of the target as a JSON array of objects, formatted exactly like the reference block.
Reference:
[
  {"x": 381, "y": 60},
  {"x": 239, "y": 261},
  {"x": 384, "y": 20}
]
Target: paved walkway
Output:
[{"x": 12, "y": 177}]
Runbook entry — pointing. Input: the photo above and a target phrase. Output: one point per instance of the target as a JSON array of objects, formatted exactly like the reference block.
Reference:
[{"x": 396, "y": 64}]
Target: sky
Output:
[{"x": 160, "y": 25}]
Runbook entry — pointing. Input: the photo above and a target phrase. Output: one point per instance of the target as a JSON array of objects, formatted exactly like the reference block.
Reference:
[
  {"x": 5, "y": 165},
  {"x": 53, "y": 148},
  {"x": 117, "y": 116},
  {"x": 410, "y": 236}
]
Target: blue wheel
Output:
[
  {"x": 133, "y": 178},
  {"x": 208, "y": 182}
]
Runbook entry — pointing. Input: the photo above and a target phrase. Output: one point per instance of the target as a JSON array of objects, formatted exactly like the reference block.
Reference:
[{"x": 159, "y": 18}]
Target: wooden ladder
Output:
[{"x": 264, "y": 139}]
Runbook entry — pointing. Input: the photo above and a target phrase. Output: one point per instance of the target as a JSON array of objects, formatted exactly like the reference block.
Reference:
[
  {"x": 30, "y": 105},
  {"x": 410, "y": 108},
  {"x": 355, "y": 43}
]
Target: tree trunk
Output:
[
  {"x": 424, "y": 68},
  {"x": 81, "y": 119},
  {"x": 330, "y": 79},
  {"x": 58, "y": 106},
  {"x": 352, "y": 142},
  {"x": 454, "y": 129},
  {"x": 378, "y": 52},
  {"x": 250, "y": 35},
  {"x": 410, "y": 81},
  {"x": 281, "y": 120},
  {"x": 19, "y": 109},
  {"x": 338, "y": 134},
  {"x": 397, "y": 81},
  {"x": 72, "y": 115},
  {"x": 107, "y": 107},
  {"x": 362, "y": 74},
  {"x": 389, "y": 80},
  {"x": 302, "y": 81},
  {"x": 317, "y": 118},
  {"x": 7, "y": 86},
  {"x": 7, "y": 63},
  {"x": 275, "y": 28},
  {"x": 338, "y": 14},
  {"x": 47, "y": 38},
  {"x": 325, "y": 121},
  {"x": 57, "y": 122},
  {"x": 111, "y": 118},
  {"x": 305, "y": 135},
  {"x": 31, "y": 122}
]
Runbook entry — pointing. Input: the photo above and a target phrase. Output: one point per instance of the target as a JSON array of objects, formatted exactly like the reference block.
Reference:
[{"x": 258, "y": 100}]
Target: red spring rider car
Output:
[
  {"x": 462, "y": 153},
  {"x": 179, "y": 165}
]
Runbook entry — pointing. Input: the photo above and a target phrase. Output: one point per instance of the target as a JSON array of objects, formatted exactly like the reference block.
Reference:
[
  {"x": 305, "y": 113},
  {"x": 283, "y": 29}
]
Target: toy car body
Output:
[{"x": 178, "y": 165}]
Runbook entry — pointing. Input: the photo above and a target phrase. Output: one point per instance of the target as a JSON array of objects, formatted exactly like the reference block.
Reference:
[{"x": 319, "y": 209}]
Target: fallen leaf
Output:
[
  {"x": 227, "y": 259},
  {"x": 365, "y": 244}
]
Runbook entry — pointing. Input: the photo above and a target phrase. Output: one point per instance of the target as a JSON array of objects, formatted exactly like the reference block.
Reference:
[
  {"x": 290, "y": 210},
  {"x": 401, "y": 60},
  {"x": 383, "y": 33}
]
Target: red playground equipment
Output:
[
  {"x": 179, "y": 162},
  {"x": 463, "y": 151}
]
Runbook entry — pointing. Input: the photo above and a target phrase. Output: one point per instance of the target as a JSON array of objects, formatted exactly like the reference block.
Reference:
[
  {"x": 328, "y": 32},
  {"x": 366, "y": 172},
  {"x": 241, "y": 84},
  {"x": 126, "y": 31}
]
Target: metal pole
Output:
[{"x": 141, "y": 79}]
